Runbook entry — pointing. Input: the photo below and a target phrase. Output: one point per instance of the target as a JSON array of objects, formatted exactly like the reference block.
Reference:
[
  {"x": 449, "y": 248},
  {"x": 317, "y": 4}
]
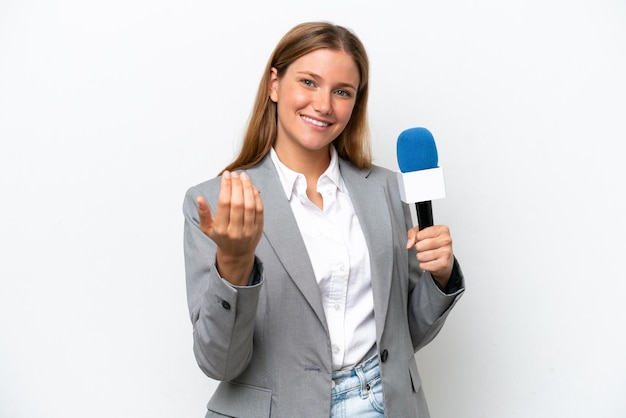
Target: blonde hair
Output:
[{"x": 353, "y": 144}]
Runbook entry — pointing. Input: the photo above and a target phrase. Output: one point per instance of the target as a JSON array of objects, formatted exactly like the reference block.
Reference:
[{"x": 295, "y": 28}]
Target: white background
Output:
[{"x": 110, "y": 110}]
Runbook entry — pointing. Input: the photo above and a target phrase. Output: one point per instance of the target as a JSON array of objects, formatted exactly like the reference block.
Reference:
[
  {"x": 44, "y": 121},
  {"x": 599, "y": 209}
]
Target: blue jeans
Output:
[{"x": 358, "y": 392}]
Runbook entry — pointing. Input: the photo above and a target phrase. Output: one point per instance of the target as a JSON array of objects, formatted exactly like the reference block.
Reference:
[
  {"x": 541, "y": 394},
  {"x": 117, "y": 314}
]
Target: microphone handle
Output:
[{"x": 424, "y": 214}]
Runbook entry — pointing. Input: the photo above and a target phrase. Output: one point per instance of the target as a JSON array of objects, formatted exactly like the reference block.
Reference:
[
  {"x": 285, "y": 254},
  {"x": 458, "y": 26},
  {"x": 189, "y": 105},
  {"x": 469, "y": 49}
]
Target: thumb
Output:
[
  {"x": 204, "y": 213},
  {"x": 411, "y": 238}
]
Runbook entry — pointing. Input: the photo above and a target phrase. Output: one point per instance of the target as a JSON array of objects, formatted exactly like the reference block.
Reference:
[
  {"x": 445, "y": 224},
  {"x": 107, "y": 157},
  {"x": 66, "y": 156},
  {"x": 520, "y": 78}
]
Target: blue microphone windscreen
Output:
[{"x": 416, "y": 150}]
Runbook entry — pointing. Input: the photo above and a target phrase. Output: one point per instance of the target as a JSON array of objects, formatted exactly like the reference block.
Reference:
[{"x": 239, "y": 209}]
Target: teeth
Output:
[{"x": 315, "y": 122}]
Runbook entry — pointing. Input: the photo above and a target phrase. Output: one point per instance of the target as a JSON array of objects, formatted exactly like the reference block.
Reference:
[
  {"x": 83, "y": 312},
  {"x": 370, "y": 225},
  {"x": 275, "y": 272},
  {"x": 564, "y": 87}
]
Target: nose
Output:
[{"x": 323, "y": 103}]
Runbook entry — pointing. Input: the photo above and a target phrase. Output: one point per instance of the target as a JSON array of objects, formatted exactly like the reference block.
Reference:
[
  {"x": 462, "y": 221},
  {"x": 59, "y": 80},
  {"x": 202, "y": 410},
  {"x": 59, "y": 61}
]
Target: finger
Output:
[
  {"x": 204, "y": 213},
  {"x": 426, "y": 233},
  {"x": 222, "y": 214},
  {"x": 236, "y": 203},
  {"x": 249, "y": 204},
  {"x": 431, "y": 261},
  {"x": 411, "y": 238},
  {"x": 259, "y": 208},
  {"x": 441, "y": 266},
  {"x": 433, "y": 237},
  {"x": 435, "y": 259},
  {"x": 427, "y": 256}
]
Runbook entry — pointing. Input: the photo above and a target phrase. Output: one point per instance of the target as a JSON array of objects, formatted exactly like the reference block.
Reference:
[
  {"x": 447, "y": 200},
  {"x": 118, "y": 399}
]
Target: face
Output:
[{"x": 315, "y": 98}]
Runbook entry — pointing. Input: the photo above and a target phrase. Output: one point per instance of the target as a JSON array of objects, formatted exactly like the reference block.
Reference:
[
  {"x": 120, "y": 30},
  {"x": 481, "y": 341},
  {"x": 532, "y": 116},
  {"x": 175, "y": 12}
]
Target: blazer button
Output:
[
  {"x": 384, "y": 355},
  {"x": 225, "y": 305}
]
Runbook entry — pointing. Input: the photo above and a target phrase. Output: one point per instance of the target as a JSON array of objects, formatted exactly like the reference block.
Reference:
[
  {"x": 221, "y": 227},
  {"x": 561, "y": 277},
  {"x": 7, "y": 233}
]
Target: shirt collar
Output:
[{"x": 288, "y": 177}]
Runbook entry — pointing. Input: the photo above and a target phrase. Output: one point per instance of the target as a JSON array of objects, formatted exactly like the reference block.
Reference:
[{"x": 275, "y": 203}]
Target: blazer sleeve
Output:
[
  {"x": 222, "y": 315},
  {"x": 428, "y": 305}
]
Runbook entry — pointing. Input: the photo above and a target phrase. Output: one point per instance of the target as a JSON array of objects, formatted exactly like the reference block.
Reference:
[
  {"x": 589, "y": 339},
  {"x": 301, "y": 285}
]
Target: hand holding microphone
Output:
[{"x": 421, "y": 180}]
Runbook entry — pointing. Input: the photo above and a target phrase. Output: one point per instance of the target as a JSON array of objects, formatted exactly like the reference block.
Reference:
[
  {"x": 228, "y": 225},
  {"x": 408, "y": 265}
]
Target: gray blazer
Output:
[{"x": 268, "y": 344}]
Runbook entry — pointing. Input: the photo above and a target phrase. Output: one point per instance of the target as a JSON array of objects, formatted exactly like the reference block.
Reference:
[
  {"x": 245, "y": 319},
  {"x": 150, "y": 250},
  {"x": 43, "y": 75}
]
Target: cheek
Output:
[
  {"x": 292, "y": 96},
  {"x": 344, "y": 111},
  {"x": 299, "y": 99}
]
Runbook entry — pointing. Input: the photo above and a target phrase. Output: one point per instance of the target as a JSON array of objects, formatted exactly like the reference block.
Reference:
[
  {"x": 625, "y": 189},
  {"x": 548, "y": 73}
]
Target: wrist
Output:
[{"x": 236, "y": 269}]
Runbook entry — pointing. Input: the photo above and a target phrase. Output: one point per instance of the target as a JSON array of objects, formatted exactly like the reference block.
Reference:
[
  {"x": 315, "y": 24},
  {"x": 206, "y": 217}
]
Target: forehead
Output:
[{"x": 328, "y": 63}]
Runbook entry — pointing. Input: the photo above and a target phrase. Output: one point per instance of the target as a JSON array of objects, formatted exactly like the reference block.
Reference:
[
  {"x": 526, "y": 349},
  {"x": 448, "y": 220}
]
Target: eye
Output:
[
  {"x": 343, "y": 93},
  {"x": 307, "y": 82}
]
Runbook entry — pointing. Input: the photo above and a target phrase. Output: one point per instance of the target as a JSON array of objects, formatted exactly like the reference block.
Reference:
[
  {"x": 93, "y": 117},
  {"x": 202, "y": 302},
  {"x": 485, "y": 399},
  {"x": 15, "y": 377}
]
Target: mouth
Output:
[{"x": 315, "y": 122}]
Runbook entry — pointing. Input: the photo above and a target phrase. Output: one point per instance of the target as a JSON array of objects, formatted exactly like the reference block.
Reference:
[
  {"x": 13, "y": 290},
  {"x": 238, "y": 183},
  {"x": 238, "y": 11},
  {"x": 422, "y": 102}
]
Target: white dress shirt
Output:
[{"x": 338, "y": 252}]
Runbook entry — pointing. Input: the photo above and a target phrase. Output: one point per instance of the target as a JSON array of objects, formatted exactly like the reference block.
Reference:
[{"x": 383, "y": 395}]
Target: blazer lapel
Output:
[
  {"x": 282, "y": 232},
  {"x": 370, "y": 203}
]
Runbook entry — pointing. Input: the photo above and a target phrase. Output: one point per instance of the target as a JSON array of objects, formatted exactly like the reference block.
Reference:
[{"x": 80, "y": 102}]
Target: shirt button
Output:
[
  {"x": 337, "y": 306},
  {"x": 384, "y": 355},
  {"x": 225, "y": 305},
  {"x": 336, "y": 349}
]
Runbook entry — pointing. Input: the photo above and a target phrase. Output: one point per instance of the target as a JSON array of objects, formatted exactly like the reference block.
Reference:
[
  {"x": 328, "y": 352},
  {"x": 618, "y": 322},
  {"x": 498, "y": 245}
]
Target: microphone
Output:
[{"x": 420, "y": 178}]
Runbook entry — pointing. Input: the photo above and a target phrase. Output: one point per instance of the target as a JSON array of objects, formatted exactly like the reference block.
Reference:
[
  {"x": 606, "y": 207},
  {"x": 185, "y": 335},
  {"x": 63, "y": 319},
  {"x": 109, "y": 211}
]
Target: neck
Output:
[{"x": 311, "y": 164}]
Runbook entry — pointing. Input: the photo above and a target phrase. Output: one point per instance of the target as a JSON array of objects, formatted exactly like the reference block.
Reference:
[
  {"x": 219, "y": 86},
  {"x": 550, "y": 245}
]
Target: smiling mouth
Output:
[{"x": 315, "y": 122}]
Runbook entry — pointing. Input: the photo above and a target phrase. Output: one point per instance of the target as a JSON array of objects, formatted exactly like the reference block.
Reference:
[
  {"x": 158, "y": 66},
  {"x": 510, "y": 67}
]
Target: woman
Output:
[{"x": 308, "y": 288}]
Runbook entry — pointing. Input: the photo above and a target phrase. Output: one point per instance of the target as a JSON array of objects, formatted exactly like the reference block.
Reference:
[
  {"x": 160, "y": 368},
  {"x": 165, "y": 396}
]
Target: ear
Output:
[{"x": 273, "y": 85}]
